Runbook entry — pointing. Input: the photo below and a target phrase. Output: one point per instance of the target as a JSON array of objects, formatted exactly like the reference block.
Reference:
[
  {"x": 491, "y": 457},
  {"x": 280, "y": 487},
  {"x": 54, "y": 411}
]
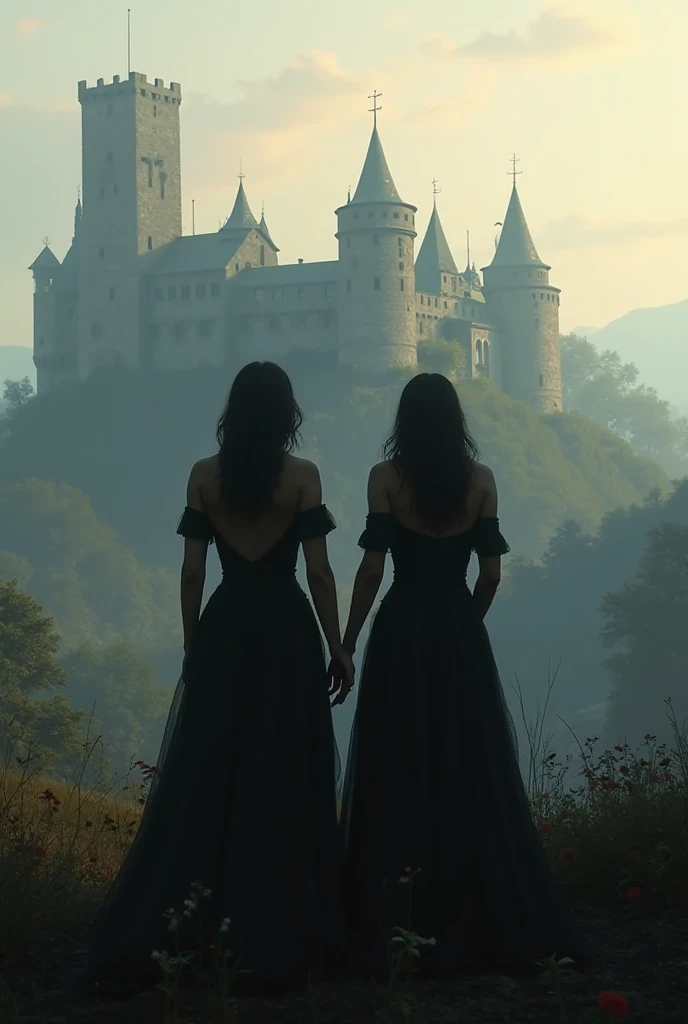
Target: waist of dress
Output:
[
  {"x": 450, "y": 583},
  {"x": 259, "y": 578}
]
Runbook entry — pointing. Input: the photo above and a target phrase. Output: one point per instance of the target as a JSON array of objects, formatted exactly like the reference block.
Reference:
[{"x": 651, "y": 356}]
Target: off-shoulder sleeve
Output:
[
  {"x": 196, "y": 525},
  {"x": 487, "y": 540},
  {"x": 315, "y": 522},
  {"x": 380, "y": 532}
]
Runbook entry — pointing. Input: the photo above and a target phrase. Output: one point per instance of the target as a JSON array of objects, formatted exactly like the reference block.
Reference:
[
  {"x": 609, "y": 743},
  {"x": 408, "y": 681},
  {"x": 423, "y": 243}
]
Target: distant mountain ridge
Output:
[
  {"x": 16, "y": 362},
  {"x": 656, "y": 340}
]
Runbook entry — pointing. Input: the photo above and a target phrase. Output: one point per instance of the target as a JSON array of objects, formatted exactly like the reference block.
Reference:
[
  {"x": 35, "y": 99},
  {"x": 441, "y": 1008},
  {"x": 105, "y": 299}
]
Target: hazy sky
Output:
[{"x": 591, "y": 96}]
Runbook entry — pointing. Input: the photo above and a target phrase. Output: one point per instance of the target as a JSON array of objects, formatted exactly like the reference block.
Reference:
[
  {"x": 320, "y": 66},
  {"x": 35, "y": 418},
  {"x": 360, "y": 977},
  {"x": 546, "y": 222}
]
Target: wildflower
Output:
[
  {"x": 643, "y": 762},
  {"x": 665, "y": 762},
  {"x": 613, "y": 1003},
  {"x": 634, "y": 893},
  {"x": 546, "y": 828},
  {"x": 654, "y": 777},
  {"x": 568, "y": 854},
  {"x": 629, "y": 785},
  {"x": 624, "y": 769},
  {"x": 408, "y": 871}
]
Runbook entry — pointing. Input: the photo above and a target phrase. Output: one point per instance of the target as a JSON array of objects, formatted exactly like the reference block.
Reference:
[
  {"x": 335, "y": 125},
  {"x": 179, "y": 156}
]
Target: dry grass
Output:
[{"x": 616, "y": 833}]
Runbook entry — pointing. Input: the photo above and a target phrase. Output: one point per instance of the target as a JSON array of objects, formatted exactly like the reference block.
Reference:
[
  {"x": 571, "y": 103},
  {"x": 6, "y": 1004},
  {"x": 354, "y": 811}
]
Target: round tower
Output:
[
  {"x": 376, "y": 288},
  {"x": 44, "y": 268},
  {"x": 525, "y": 306}
]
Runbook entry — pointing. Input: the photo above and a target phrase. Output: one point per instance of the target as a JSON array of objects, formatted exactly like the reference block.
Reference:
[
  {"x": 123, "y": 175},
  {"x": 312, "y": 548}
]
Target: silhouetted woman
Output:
[
  {"x": 433, "y": 779},
  {"x": 243, "y": 800}
]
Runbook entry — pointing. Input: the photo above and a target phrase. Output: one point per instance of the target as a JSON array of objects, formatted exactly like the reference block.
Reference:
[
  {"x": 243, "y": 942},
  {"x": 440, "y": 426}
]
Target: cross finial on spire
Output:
[
  {"x": 513, "y": 172},
  {"x": 262, "y": 208},
  {"x": 241, "y": 169},
  {"x": 374, "y": 109},
  {"x": 46, "y": 240},
  {"x": 468, "y": 248},
  {"x": 435, "y": 190}
]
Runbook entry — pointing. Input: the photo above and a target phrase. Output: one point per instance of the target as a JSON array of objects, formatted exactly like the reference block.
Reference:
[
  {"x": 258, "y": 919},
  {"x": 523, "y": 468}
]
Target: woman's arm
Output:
[
  {"x": 193, "y": 566},
  {"x": 318, "y": 569},
  {"x": 489, "y": 573},
  {"x": 372, "y": 567}
]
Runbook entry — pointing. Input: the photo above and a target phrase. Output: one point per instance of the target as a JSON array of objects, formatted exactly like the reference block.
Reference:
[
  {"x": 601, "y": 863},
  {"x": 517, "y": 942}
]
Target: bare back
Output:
[
  {"x": 299, "y": 488},
  {"x": 481, "y": 501}
]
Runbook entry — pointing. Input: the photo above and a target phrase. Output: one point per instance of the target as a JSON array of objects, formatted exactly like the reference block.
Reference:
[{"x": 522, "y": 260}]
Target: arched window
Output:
[
  {"x": 542, "y": 381},
  {"x": 479, "y": 353},
  {"x": 486, "y": 357}
]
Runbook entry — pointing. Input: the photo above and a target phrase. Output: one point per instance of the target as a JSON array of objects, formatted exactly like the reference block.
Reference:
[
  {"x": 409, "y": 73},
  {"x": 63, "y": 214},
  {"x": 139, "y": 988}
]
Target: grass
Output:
[{"x": 616, "y": 836}]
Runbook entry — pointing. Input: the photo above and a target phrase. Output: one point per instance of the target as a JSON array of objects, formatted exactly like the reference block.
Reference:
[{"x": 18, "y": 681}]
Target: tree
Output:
[
  {"x": 29, "y": 672},
  {"x": 17, "y": 392},
  {"x": 130, "y": 705},
  {"x": 645, "y": 625},
  {"x": 605, "y": 389}
]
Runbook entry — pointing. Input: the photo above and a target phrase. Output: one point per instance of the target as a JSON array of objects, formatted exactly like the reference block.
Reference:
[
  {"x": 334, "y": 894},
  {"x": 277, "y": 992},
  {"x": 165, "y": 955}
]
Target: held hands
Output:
[{"x": 340, "y": 675}]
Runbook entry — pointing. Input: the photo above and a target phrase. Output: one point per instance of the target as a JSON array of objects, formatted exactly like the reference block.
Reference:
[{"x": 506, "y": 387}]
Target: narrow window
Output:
[
  {"x": 376, "y": 284},
  {"x": 396, "y": 216},
  {"x": 109, "y": 158},
  {"x": 406, "y": 216},
  {"x": 157, "y": 294},
  {"x": 172, "y": 293},
  {"x": 186, "y": 291},
  {"x": 214, "y": 290},
  {"x": 101, "y": 252},
  {"x": 348, "y": 286},
  {"x": 542, "y": 381},
  {"x": 155, "y": 110},
  {"x": 262, "y": 255},
  {"x": 112, "y": 293},
  {"x": 401, "y": 284},
  {"x": 422, "y": 300},
  {"x": 200, "y": 291},
  {"x": 150, "y": 241},
  {"x": 376, "y": 239},
  {"x": 401, "y": 266},
  {"x": 162, "y": 184}
]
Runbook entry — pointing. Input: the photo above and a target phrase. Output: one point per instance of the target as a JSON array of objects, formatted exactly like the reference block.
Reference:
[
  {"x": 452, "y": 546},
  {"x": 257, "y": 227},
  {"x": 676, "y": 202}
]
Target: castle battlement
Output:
[{"x": 156, "y": 89}]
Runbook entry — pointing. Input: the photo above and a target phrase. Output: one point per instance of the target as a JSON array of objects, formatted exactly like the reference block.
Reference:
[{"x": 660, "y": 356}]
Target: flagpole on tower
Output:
[{"x": 128, "y": 41}]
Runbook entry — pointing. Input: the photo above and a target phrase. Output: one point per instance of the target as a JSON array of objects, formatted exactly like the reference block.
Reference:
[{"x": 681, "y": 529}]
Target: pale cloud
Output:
[
  {"x": 575, "y": 232},
  {"x": 561, "y": 32},
  {"x": 278, "y": 124},
  {"x": 26, "y": 27},
  {"x": 6, "y": 100},
  {"x": 396, "y": 17}
]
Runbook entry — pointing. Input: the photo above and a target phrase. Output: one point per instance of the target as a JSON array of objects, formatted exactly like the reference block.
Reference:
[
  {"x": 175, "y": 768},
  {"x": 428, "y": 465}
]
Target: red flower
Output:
[
  {"x": 624, "y": 769},
  {"x": 568, "y": 854},
  {"x": 634, "y": 893},
  {"x": 613, "y": 1003},
  {"x": 408, "y": 871},
  {"x": 546, "y": 828}
]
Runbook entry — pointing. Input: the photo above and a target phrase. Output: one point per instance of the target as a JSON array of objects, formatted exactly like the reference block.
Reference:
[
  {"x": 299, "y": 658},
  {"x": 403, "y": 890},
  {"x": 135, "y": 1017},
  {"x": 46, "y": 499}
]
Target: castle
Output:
[{"x": 133, "y": 291}]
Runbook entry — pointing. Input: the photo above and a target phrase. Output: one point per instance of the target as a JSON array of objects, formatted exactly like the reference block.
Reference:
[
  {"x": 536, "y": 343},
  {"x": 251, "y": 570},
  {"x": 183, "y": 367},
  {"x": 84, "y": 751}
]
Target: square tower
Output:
[{"x": 131, "y": 204}]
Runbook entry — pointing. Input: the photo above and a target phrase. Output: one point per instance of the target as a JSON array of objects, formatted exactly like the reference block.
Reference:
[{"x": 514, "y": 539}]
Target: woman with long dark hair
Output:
[
  {"x": 436, "y": 820},
  {"x": 243, "y": 801}
]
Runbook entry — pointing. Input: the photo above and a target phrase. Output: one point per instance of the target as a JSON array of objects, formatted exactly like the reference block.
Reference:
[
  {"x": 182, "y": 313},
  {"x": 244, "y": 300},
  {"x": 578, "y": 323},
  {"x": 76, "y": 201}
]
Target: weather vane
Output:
[
  {"x": 375, "y": 109},
  {"x": 513, "y": 172},
  {"x": 241, "y": 169},
  {"x": 46, "y": 241},
  {"x": 435, "y": 189}
]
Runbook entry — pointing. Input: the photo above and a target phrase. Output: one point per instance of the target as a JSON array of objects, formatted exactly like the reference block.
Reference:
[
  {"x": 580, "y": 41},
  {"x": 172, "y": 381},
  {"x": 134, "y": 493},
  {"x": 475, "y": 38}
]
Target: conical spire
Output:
[
  {"x": 375, "y": 184},
  {"x": 46, "y": 259},
  {"x": 263, "y": 227},
  {"x": 434, "y": 258},
  {"x": 77, "y": 217},
  {"x": 515, "y": 247},
  {"x": 241, "y": 217}
]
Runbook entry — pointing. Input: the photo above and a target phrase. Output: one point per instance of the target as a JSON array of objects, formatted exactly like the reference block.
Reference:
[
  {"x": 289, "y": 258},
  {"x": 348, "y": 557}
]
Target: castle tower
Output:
[
  {"x": 376, "y": 280},
  {"x": 131, "y": 204},
  {"x": 436, "y": 271},
  {"x": 44, "y": 268},
  {"x": 526, "y": 308}
]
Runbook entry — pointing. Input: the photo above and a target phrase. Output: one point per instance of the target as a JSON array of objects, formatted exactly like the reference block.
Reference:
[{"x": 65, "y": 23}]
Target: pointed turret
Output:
[
  {"x": 67, "y": 281},
  {"x": 241, "y": 218},
  {"x": 375, "y": 184},
  {"x": 263, "y": 228},
  {"x": 77, "y": 218},
  {"x": 435, "y": 260},
  {"x": 46, "y": 261},
  {"x": 515, "y": 247},
  {"x": 526, "y": 307}
]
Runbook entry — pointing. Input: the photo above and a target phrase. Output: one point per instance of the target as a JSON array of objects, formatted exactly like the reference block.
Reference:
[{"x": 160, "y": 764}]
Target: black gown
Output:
[
  {"x": 433, "y": 780},
  {"x": 244, "y": 797}
]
